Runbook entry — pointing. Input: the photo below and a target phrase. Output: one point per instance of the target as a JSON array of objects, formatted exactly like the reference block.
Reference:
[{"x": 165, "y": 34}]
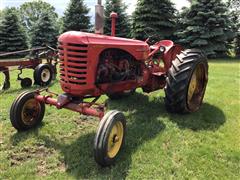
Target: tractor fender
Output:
[{"x": 170, "y": 53}]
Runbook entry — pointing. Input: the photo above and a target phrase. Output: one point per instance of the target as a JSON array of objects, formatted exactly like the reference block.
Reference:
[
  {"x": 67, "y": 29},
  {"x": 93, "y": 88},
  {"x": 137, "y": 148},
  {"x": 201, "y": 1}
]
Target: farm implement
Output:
[
  {"x": 92, "y": 65},
  {"x": 43, "y": 72}
]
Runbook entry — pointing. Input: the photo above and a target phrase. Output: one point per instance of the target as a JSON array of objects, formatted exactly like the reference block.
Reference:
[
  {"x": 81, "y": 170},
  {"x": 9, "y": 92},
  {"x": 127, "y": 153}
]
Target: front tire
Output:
[
  {"x": 109, "y": 138},
  {"x": 186, "y": 82},
  {"x": 26, "y": 112}
]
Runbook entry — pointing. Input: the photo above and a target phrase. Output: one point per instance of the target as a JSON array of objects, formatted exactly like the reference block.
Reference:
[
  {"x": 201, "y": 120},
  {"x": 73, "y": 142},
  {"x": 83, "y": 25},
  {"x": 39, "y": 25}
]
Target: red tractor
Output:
[{"x": 93, "y": 64}]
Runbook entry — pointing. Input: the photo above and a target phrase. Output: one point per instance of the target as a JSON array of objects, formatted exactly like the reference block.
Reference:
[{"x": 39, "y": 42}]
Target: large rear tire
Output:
[{"x": 186, "y": 82}]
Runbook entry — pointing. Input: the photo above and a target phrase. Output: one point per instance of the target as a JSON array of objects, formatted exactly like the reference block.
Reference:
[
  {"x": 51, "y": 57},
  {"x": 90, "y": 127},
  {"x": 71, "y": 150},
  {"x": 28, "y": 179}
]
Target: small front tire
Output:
[
  {"x": 26, "y": 112},
  {"x": 109, "y": 138}
]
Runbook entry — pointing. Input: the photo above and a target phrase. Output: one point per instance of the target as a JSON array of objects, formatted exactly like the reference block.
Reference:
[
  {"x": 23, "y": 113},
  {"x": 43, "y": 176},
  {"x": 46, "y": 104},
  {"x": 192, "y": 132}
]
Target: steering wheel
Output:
[{"x": 152, "y": 35}]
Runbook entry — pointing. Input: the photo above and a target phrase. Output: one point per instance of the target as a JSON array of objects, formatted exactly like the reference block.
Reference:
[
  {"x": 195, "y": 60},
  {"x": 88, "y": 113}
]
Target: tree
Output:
[
  {"x": 181, "y": 15},
  {"x": 158, "y": 15},
  {"x": 12, "y": 34},
  {"x": 234, "y": 5},
  {"x": 1, "y": 15},
  {"x": 192, "y": 1},
  {"x": 44, "y": 32},
  {"x": 207, "y": 27},
  {"x": 31, "y": 12},
  {"x": 122, "y": 23},
  {"x": 76, "y": 16}
]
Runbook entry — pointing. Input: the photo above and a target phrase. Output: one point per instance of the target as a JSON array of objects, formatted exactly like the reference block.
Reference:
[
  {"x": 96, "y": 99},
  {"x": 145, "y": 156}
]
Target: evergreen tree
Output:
[
  {"x": 158, "y": 15},
  {"x": 122, "y": 23},
  {"x": 237, "y": 47},
  {"x": 76, "y": 17},
  {"x": 234, "y": 5},
  {"x": 180, "y": 21},
  {"x": 207, "y": 27},
  {"x": 12, "y": 34},
  {"x": 1, "y": 15},
  {"x": 44, "y": 32}
]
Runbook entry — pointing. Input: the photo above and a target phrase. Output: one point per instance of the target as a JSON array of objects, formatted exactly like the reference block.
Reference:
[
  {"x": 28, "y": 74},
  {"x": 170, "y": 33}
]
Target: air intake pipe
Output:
[{"x": 113, "y": 16}]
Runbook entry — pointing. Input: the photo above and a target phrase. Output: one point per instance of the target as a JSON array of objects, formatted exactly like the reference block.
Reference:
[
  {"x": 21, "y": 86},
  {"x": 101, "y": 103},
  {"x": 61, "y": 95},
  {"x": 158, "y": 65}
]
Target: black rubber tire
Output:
[
  {"x": 26, "y": 82},
  {"x": 178, "y": 79},
  {"x": 12, "y": 109},
  {"x": 16, "y": 111},
  {"x": 119, "y": 95},
  {"x": 37, "y": 74},
  {"x": 5, "y": 84},
  {"x": 101, "y": 138}
]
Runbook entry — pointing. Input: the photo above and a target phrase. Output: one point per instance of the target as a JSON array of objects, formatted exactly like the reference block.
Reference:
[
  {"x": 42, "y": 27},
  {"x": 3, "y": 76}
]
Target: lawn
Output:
[{"x": 159, "y": 145}]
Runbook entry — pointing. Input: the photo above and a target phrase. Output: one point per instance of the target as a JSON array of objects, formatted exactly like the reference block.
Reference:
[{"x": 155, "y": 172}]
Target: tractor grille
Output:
[{"x": 73, "y": 63}]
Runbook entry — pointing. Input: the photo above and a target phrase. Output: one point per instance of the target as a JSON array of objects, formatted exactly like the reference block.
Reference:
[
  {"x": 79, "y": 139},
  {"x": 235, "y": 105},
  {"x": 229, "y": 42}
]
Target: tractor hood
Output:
[{"x": 90, "y": 38}]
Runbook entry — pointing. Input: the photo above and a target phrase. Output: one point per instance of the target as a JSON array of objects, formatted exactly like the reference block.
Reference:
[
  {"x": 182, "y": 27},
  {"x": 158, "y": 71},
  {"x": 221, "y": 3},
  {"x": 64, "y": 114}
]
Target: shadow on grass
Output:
[
  {"x": 10, "y": 91},
  {"x": 20, "y": 89},
  {"x": 209, "y": 117},
  {"x": 144, "y": 122}
]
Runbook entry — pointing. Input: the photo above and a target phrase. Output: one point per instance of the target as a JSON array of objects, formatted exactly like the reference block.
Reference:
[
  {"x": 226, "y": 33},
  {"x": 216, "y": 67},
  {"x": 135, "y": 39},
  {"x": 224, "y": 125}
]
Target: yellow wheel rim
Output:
[
  {"x": 30, "y": 111},
  {"x": 196, "y": 87},
  {"x": 115, "y": 139}
]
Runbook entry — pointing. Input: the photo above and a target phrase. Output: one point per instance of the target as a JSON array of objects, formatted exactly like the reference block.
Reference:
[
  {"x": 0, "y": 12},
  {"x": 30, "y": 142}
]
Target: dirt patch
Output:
[
  {"x": 17, "y": 157},
  {"x": 42, "y": 169},
  {"x": 85, "y": 121},
  {"x": 62, "y": 167}
]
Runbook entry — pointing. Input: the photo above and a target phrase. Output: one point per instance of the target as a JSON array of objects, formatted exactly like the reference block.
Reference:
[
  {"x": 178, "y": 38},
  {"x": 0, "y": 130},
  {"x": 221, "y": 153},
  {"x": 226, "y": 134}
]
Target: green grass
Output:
[{"x": 159, "y": 145}]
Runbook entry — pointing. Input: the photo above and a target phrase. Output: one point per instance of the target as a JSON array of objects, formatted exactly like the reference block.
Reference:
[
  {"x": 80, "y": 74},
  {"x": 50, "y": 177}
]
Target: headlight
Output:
[{"x": 162, "y": 49}]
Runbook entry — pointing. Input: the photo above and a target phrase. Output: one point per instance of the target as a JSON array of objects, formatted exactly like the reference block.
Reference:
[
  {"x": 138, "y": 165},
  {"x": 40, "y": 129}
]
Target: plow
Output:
[
  {"x": 44, "y": 72},
  {"x": 92, "y": 65}
]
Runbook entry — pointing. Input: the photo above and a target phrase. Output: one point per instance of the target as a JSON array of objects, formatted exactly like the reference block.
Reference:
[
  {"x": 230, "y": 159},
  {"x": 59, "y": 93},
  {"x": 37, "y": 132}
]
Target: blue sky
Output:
[{"x": 60, "y": 5}]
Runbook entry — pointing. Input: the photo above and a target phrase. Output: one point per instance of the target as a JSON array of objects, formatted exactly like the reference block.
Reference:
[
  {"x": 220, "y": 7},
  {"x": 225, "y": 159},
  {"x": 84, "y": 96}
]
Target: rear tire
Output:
[
  {"x": 26, "y": 112},
  {"x": 186, "y": 82},
  {"x": 43, "y": 74},
  {"x": 110, "y": 138}
]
